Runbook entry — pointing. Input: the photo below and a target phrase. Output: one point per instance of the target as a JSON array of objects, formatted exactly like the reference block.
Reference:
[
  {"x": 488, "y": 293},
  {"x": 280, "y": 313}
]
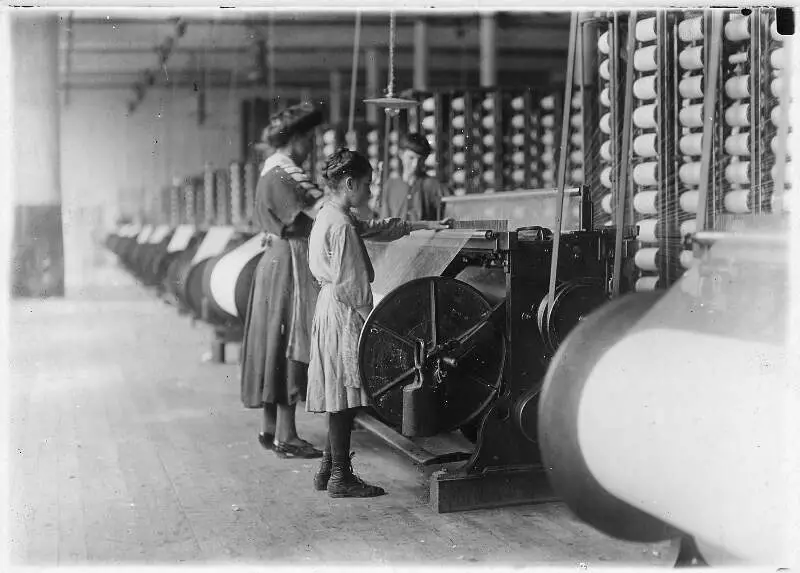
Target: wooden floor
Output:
[{"x": 128, "y": 448}]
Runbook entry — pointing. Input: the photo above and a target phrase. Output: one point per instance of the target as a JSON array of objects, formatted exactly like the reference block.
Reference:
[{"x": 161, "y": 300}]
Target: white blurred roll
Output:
[
  {"x": 459, "y": 140},
  {"x": 691, "y": 87},
  {"x": 547, "y": 157},
  {"x": 645, "y": 87},
  {"x": 604, "y": 70},
  {"x": 645, "y": 259},
  {"x": 773, "y": 31},
  {"x": 489, "y": 190},
  {"x": 488, "y": 104},
  {"x": 778, "y": 59},
  {"x": 602, "y": 43},
  {"x": 788, "y": 173},
  {"x": 645, "y": 59},
  {"x": 373, "y": 136},
  {"x": 738, "y": 58},
  {"x": 518, "y": 121},
  {"x": 518, "y": 158},
  {"x": 459, "y": 192},
  {"x": 647, "y": 230},
  {"x": 329, "y": 137},
  {"x": 776, "y": 86},
  {"x": 736, "y": 201},
  {"x": 646, "y": 173},
  {"x": 518, "y": 103},
  {"x": 575, "y": 120},
  {"x": 577, "y": 176},
  {"x": 775, "y": 114},
  {"x": 459, "y": 158},
  {"x": 577, "y": 103},
  {"x": 691, "y": 144},
  {"x": 488, "y": 140},
  {"x": 488, "y": 122},
  {"x": 646, "y": 30},
  {"x": 738, "y": 115},
  {"x": 644, "y": 117},
  {"x": 458, "y": 121},
  {"x": 689, "y": 173},
  {"x": 691, "y": 58},
  {"x": 488, "y": 158},
  {"x": 534, "y": 151},
  {"x": 691, "y": 115},
  {"x": 645, "y": 145},
  {"x": 459, "y": 176},
  {"x": 646, "y": 202},
  {"x": 576, "y": 139},
  {"x": 738, "y": 144},
  {"x": 548, "y": 138},
  {"x": 393, "y": 149},
  {"x": 518, "y": 139},
  {"x": 429, "y": 123},
  {"x": 428, "y": 104},
  {"x": 738, "y": 87},
  {"x": 488, "y": 177},
  {"x": 605, "y": 123},
  {"x": 646, "y": 284},
  {"x": 793, "y": 142},
  {"x": 688, "y": 227},
  {"x": 605, "y": 97},
  {"x": 738, "y": 29},
  {"x": 548, "y": 175},
  {"x": 605, "y": 150},
  {"x": 394, "y": 136},
  {"x": 328, "y": 149},
  {"x": 605, "y": 177},
  {"x": 548, "y": 120},
  {"x": 457, "y": 104},
  {"x": 688, "y": 201},
  {"x": 518, "y": 175},
  {"x": 691, "y": 29},
  {"x": 738, "y": 172},
  {"x": 430, "y": 161},
  {"x": 687, "y": 259},
  {"x": 548, "y": 102},
  {"x": 373, "y": 149},
  {"x": 576, "y": 156},
  {"x": 605, "y": 203}
]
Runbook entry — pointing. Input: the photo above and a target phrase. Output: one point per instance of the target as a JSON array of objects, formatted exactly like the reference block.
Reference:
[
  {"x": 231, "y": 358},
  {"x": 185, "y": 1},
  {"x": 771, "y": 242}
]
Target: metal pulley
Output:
[
  {"x": 431, "y": 355},
  {"x": 573, "y": 300}
]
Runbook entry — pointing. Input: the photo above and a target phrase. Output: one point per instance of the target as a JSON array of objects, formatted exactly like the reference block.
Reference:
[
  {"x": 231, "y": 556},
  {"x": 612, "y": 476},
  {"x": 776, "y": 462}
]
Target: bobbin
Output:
[
  {"x": 738, "y": 144},
  {"x": 646, "y": 174},
  {"x": 643, "y": 117},
  {"x": 691, "y": 87},
  {"x": 647, "y": 259},
  {"x": 691, "y": 144},
  {"x": 646, "y": 59},
  {"x": 738, "y": 29},
  {"x": 647, "y": 230},
  {"x": 646, "y": 30},
  {"x": 645, "y": 88},
  {"x": 738, "y": 87},
  {"x": 737, "y": 201},
  {"x": 738, "y": 172},
  {"x": 646, "y": 284},
  {"x": 605, "y": 97},
  {"x": 689, "y": 200},
  {"x": 691, "y": 115},
  {"x": 689, "y": 173},
  {"x": 428, "y": 104},
  {"x": 691, "y": 58},
  {"x": 738, "y": 115},
  {"x": 645, "y": 145},
  {"x": 646, "y": 202},
  {"x": 691, "y": 29}
]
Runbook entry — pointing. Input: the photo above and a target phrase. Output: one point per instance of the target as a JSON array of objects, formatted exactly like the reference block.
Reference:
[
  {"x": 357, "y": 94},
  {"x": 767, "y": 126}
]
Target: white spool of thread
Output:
[
  {"x": 605, "y": 204},
  {"x": 394, "y": 164},
  {"x": 646, "y": 202},
  {"x": 548, "y": 138},
  {"x": 547, "y": 157},
  {"x": 773, "y": 31},
  {"x": 458, "y": 122},
  {"x": 488, "y": 177},
  {"x": 576, "y": 139},
  {"x": 646, "y": 30},
  {"x": 738, "y": 144},
  {"x": 644, "y": 117},
  {"x": 488, "y": 140},
  {"x": 788, "y": 173},
  {"x": 687, "y": 259},
  {"x": 736, "y": 201},
  {"x": 534, "y": 151},
  {"x": 691, "y": 144},
  {"x": 548, "y": 175},
  {"x": 688, "y": 227},
  {"x": 778, "y": 59},
  {"x": 776, "y": 86},
  {"x": 393, "y": 149},
  {"x": 605, "y": 150},
  {"x": 577, "y": 175},
  {"x": 428, "y": 104},
  {"x": 605, "y": 97},
  {"x": 691, "y": 115},
  {"x": 488, "y": 122},
  {"x": 430, "y": 161},
  {"x": 394, "y": 137},
  {"x": 458, "y": 158},
  {"x": 488, "y": 104},
  {"x": 793, "y": 142},
  {"x": 577, "y": 103},
  {"x": 575, "y": 120},
  {"x": 645, "y": 259},
  {"x": 605, "y": 177},
  {"x": 329, "y": 137},
  {"x": 645, "y": 145},
  {"x": 328, "y": 149},
  {"x": 548, "y": 120},
  {"x": 518, "y": 121},
  {"x": 738, "y": 87},
  {"x": 689, "y": 173},
  {"x": 738, "y": 172},
  {"x": 644, "y": 59},
  {"x": 488, "y": 158},
  {"x": 738, "y": 29},
  {"x": 518, "y": 158},
  {"x": 647, "y": 230},
  {"x": 688, "y": 201},
  {"x": 646, "y": 173},
  {"x": 373, "y": 149},
  {"x": 691, "y": 87},
  {"x": 576, "y": 156},
  {"x": 459, "y": 176},
  {"x": 458, "y": 140},
  {"x": 459, "y": 192},
  {"x": 548, "y": 102},
  {"x": 518, "y": 139},
  {"x": 691, "y": 58},
  {"x": 604, "y": 70},
  {"x": 691, "y": 29},
  {"x": 646, "y": 284},
  {"x": 429, "y": 123},
  {"x": 373, "y": 136},
  {"x": 518, "y": 175},
  {"x": 737, "y": 58},
  {"x": 457, "y": 104},
  {"x": 738, "y": 115},
  {"x": 645, "y": 88},
  {"x": 605, "y": 123},
  {"x": 431, "y": 137},
  {"x": 602, "y": 43},
  {"x": 518, "y": 103}
]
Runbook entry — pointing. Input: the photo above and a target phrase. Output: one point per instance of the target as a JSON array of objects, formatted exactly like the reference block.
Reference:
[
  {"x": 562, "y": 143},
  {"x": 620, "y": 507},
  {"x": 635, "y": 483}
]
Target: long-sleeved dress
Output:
[
  {"x": 275, "y": 351},
  {"x": 338, "y": 260}
]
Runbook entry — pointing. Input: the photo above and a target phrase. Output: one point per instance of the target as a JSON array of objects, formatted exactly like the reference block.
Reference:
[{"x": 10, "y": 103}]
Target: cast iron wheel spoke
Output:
[
  {"x": 393, "y": 334},
  {"x": 391, "y": 385},
  {"x": 434, "y": 322}
]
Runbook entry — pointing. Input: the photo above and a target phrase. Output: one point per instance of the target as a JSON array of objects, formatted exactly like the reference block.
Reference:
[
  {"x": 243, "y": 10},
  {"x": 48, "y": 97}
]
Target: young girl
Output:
[{"x": 338, "y": 260}]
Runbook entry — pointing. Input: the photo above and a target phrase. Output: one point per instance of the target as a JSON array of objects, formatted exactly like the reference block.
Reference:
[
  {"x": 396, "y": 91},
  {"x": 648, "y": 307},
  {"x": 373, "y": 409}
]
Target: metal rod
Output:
[
  {"x": 354, "y": 74},
  {"x": 562, "y": 160},
  {"x": 710, "y": 104},
  {"x": 622, "y": 176},
  {"x": 783, "y": 124}
]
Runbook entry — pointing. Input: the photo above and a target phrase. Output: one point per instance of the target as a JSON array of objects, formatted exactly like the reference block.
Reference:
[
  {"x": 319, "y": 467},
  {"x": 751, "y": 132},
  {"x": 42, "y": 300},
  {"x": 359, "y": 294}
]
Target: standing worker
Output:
[
  {"x": 275, "y": 349},
  {"x": 415, "y": 196}
]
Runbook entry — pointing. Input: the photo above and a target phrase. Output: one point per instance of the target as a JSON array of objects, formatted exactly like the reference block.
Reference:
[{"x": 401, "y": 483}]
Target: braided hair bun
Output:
[{"x": 344, "y": 163}]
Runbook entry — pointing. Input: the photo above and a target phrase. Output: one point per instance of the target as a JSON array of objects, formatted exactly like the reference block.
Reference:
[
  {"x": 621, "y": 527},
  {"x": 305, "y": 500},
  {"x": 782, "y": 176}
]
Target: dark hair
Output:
[
  {"x": 417, "y": 143},
  {"x": 344, "y": 163}
]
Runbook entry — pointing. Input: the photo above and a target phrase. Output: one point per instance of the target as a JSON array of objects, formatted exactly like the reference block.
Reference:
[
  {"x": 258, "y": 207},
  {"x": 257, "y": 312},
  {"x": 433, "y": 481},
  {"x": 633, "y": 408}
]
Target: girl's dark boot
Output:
[
  {"x": 323, "y": 473},
  {"x": 344, "y": 483}
]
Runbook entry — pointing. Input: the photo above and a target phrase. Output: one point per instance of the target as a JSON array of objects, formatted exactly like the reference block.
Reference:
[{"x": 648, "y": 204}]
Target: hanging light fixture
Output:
[{"x": 391, "y": 104}]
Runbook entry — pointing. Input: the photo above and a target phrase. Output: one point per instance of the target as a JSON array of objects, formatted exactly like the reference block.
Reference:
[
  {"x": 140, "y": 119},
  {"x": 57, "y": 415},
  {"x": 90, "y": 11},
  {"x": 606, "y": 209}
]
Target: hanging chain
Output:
[{"x": 391, "y": 53}]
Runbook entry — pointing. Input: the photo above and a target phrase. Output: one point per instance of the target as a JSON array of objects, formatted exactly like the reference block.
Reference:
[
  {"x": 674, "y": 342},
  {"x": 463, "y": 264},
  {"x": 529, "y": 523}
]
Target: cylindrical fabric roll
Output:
[
  {"x": 459, "y": 140},
  {"x": 429, "y": 123},
  {"x": 548, "y": 138},
  {"x": 646, "y": 173},
  {"x": 793, "y": 141},
  {"x": 737, "y": 201},
  {"x": 645, "y": 87},
  {"x": 394, "y": 149},
  {"x": 518, "y": 139},
  {"x": 647, "y": 230},
  {"x": 576, "y": 156},
  {"x": 605, "y": 97},
  {"x": 604, "y": 70},
  {"x": 738, "y": 29},
  {"x": 488, "y": 140},
  {"x": 518, "y": 121},
  {"x": 518, "y": 158},
  {"x": 645, "y": 145},
  {"x": 788, "y": 173},
  {"x": 646, "y": 30},
  {"x": 605, "y": 177},
  {"x": 329, "y": 137},
  {"x": 547, "y": 156},
  {"x": 577, "y": 175},
  {"x": 518, "y": 103},
  {"x": 691, "y": 29},
  {"x": 645, "y": 59},
  {"x": 458, "y": 121},
  {"x": 688, "y": 201},
  {"x": 605, "y": 150},
  {"x": 605, "y": 123},
  {"x": 518, "y": 176},
  {"x": 691, "y": 87},
  {"x": 488, "y": 157},
  {"x": 575, "y": 120},
  {"x": 373, "y": 136},
  {"x": 775, "y": 114},
  {"x": 488, "y": 177},
  {"x": 687, "y": 259},
  {"x": 738, "y": 144},
  {"x": 576, "y": 139},
  {"x": 692, "y": 144},
  {"x": 602, "y": 43},
  {"x": 773, "y": 31},
  {"x": 549, "y": 175},
  {"x": 688, "y": 227},
  {"x": 691, "y": 115},
  {"x": 738, "y": 172},
  {"x": 778, "y": 59},
  {"x": 644, "y": 117},
  {"x": 488, "y": 104},
  {"x": 548, "y": 120},
  {"x": 605, "y": 203},
  {"x": 646, "y": 202},
  {"x": 737, "y": 58},
  {"x": 689, "y": 173},
  {"x": 548, "y": 102},
  {"x": 394, "y": 137},
  {"x": 488, "y": 122},
  {"x": 394, "y": 163},
  {"x": 328, "y": 149},
  {"x": 646, "y": 259},
  {"x": 576, "y": 101},
  {"x": 646, "y": 284},
  {"x": 457, "y": 104},
  {"x": 459, "y": 158},
  {"x": 428, "y": 104},
  {"x": 738, "y": 87},
  {"x": 459, "y": 176},
  {"x": 738, "y": 115},
  {"x": 373, "y": 149},
  {"x": 691, "y": 58},
  {"x": 776, "y": 86}
]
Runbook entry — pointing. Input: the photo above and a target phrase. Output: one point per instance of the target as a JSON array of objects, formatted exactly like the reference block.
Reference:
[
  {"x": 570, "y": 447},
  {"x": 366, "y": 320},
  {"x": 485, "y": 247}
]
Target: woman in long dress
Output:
[
  {"x": 275, "y": 349},
  {"x": 338, "y": 260}
]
